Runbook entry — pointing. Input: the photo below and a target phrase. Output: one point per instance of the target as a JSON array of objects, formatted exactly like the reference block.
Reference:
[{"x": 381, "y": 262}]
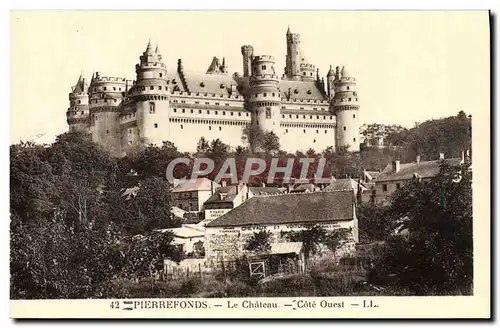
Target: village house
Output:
[
  {"x": 190, "y": 195},
  {"x": 226, "y": 198},
  {"x": 187, "y": 236},
  {"x": 227, "y": 235},
  {"x": 396, "y": 174}
]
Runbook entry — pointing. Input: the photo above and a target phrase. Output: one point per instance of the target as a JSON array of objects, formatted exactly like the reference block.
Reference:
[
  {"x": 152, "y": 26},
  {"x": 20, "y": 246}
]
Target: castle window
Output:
[
  {"x": 232, "y": 113},
  {"x": 353, "y": 115},
  {"x": 304, "y": 116},
  {"x": 182, "y": 127},
  {"x": 82, "y": 112},
  {"x": 161, "y": 74},
  {"x": 107, "y": 131},
  {"x": 79, "y": 101},
  {"x": 129, "y": 131},
  {"x": 156, "y": 125},
  {"x": 227, "y": 104},
  {"x": 325, "y": 132},
  {"x": 183, "y": 101},
  {"x": 384, "y": 187},
  {"x": 114, "y": 88},
  {"x": 356, "y": 99},
  {"x": 341, "y": 99},
  {"x": 297, "y": 116},
  {"x": 210, "y": 128},
  {"x": 105, "y": 100},
  {"x": 199, "y": 111},
  {"x": 286, "y": 130},
  {"x": 183, "y": 110},
  {"x": 175, "y": 110},
  {"x": 265, "y": 94},
  {"x": 398, "y": 185},
  {"x": 191, "y": 111},
  {"x": 175, "y": 101},
  {"x": 223, "y": 113},
  {"x": 263, "y": 67},
  {"x": 274, "y": 94},
  {"x": 220, "y": 128},
  {"x": 304, "y": 130},
  {"x": 239, "y": 114},
  {"x": 311, "y": 74},
  {"x": 314, "y": 141},
  {"x": 317, "y": 131},
  {"x": 247, "y": 114},
  {"x": 354, "y": 139},
  {"x": 207, "y": 103},
  {"x": 152, "y": 108},
  {"x": 349, "y": 99},
  {"x": 290, "y": 115},
  {"x": 304, "y": 73},
  {"x": 159, "y": 87},
  {"x": 216, "y": 112},
  {"x": 283, "y": 116},
  {"x": 216, "y": 104},
  {"x": 317, "y": 116},
  {"x": 345, "y": 128},
  {"x": 310, "y": 116},
  {"x": 208, "y": 112},
  {"x": 347, "y": 88},
  {"x": 268, "y": 112},
  {"x": 104, "y": 88}
]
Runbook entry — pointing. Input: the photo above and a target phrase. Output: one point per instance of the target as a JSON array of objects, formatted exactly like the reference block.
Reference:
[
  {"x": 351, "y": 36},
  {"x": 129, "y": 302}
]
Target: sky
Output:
[{"x": 410, "y": 66}]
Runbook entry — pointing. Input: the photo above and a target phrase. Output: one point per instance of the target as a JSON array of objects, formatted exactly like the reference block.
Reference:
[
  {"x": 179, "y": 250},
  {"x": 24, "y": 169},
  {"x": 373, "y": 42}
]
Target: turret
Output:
[
  {"x": 264, "y": 98},
  {"x": 247, "y": 53},
  {"x": 345, "y": 105},
  {"x": 77, "y": 114},
  {"x": 105, "y": 96},
  {"x": 330, "y": 78},
  {"x": 148, "y": 100}
]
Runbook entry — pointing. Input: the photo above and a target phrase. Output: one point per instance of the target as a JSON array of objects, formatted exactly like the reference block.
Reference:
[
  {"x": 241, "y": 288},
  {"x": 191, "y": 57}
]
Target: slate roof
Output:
[
  {"x": 259, "y": 191},
  {"x": 290, "y": 208},
  {"x": 342, "y": 184},
  {"x": 195, "y": 185},
  {"x": 427, "y": 169},
  {"x": 230, "y": 192}
]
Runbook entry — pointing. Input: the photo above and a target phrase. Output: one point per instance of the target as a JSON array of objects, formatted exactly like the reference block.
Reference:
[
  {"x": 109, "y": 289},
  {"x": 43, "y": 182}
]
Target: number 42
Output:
[{"x": 115, "y": 305}]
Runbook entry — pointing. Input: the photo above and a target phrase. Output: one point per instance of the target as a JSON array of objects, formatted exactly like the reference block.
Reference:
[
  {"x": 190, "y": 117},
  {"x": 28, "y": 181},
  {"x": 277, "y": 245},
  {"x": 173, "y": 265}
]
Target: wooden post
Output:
[
  {"x": 199, "y": 269},
  {"x": 187, "y": 272}
]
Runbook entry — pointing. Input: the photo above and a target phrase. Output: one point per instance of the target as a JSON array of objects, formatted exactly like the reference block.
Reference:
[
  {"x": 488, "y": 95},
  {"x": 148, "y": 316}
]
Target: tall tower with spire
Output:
[
  {"x": 345, "y": 105},
  {"x": 77, "y": 115},
  {"x": 150, "y": 94}
]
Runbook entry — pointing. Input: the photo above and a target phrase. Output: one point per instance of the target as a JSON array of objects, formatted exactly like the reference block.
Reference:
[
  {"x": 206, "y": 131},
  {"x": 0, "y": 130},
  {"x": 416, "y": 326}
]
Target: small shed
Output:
[{"x": 285, "y": 257}]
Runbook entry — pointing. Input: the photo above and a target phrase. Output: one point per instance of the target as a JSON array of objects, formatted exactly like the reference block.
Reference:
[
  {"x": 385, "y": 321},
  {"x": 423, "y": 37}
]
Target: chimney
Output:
[
  {"x": 212, "y": 187},
  {"x": 224, "y": 183},
  {"x": 418, "y": 159},
  {"x": 395, "y": 166},
  {"x": 441, "y": 155},
  {"x": 263, "y": 184}
]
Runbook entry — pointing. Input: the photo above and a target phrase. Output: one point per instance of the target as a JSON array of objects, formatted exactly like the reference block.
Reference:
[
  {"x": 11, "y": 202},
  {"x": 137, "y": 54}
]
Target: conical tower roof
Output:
[
  {"x": 331, "y": 72},
  {"x": 344, "y": 72},
  {"x": 79, "y": 86}
]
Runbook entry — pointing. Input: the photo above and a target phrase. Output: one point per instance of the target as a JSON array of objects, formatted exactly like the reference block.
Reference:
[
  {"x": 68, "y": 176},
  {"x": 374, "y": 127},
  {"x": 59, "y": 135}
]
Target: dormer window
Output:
[
  {"x": 202, "y": 84},
  {"x": 309, "y": 92},
  {"x": 222, "y": 86},
  {"x": 296, "y": 91},
  {"x": 223, "y": 196}
]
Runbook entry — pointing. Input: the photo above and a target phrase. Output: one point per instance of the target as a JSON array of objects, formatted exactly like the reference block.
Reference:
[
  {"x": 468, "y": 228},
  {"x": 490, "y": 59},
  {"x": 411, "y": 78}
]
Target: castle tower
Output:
[
  {"x": 77, "y": 115},
  {"x": 330, "y": 78},
  {"x": 247, "y": 52},
  {"x": 345, "y": 105},
  {"x": 293, "y": 56},
  {"x": 150, "y": 98},
  {"x": 105, "y": 96},
  {"x": 264, "y": 98}
]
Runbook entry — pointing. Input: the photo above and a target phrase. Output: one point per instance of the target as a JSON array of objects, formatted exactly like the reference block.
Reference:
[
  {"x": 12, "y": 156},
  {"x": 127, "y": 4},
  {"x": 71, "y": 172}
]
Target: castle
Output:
[{"x": 181, "y": 107}]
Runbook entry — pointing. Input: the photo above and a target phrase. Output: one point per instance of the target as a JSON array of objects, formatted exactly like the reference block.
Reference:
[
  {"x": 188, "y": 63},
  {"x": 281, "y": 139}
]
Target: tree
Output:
[
  {"x": 436, "y": 257},
  {"x": 374, "y": 222},
  {"x": 271, "y": 142},
  {"x": 259, "y": 242},
  {"x": 203, "y": 146},
  {"x": 253, "y": 136},
  {"x": 334, "y": 239},
  {"x": 311, "y": 238}
]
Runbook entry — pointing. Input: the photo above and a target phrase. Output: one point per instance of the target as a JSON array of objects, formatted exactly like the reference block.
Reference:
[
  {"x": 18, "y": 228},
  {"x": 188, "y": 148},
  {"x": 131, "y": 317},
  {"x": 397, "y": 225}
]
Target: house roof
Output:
[
  {"x": 342, "y": 184},
  {"x": 372, "y": 174},
  {"x": 427, "y": 169},
  {"x": 230, "y": 191},
  {"x": 290, "y": 208},
  {"x": 186, "y": 231},
  {"x": 198, "y": 184},
  {"x": 260, "y": 191},
  {"x": 304, "y": 187}
]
